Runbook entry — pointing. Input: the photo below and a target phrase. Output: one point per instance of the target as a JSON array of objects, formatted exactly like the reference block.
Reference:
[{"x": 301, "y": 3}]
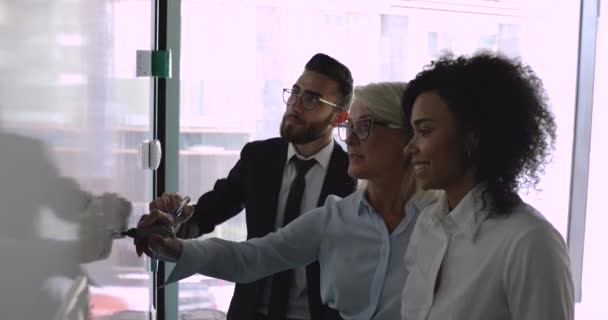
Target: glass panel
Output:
[
  {"x": 72, "y": 117},
  {"x": 592, "y": 305},
  {"x": 232, "y": 80}
]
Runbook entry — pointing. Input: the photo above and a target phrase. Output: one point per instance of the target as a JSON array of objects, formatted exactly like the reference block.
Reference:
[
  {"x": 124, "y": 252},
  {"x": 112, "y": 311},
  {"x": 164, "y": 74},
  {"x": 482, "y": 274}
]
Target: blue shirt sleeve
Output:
[{"x": 294, "y": 245}]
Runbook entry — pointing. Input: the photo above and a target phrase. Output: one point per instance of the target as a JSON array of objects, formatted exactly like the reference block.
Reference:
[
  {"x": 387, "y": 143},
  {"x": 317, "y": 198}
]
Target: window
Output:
[
  {"x": 594, "y": 278},
  {"x": 232, "y": 80}
]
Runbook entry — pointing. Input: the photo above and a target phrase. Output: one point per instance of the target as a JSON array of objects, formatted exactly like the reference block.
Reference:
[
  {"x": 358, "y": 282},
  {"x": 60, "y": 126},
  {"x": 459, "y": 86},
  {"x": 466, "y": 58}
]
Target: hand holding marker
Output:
[{"x": 141, "y": 233}]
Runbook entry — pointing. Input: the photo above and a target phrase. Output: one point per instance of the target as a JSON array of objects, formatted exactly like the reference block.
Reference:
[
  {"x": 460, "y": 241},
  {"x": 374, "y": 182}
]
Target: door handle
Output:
[{"x": 150, "y": 154}]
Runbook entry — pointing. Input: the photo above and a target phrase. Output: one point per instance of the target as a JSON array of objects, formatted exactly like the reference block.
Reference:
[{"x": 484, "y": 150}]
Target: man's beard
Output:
[{"x": 307, "y": 134}]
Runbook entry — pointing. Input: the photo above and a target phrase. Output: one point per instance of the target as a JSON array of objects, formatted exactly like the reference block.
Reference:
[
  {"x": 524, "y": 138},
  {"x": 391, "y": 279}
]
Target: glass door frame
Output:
[
  {"x": 167, "y": 24},
  {"x": 590, "y": 10}
]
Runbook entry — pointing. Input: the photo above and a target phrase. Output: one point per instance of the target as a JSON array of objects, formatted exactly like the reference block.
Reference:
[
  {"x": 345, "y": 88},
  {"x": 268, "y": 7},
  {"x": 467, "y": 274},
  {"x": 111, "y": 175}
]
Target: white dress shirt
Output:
[
  {"x": 297, "y": 304},
  {"x": 513, "y": 267}
]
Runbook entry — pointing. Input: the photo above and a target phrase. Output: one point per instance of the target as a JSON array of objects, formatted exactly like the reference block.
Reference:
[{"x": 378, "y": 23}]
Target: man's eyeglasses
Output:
[
  {"x": 361, "y": 128},
  {"x": 309, "y": 100}
]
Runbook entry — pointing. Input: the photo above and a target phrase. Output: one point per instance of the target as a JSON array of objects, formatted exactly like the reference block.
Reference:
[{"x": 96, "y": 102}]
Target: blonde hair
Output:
[{"x": 383, "y": 99}]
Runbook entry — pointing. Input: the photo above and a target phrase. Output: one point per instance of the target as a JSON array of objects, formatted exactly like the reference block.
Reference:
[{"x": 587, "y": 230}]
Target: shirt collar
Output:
[
  {"x": 322, "y": 157},
  {"x": 422, "y": 199},
  {"x": 363, "y": 202},
  {"x": 468, "y": 215},
  {"x": 418, "y": 201}
]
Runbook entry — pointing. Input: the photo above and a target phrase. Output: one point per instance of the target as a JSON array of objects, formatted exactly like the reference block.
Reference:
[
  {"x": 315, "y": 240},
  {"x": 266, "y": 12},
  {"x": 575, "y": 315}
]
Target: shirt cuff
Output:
[{"x": 188, "y": 262}]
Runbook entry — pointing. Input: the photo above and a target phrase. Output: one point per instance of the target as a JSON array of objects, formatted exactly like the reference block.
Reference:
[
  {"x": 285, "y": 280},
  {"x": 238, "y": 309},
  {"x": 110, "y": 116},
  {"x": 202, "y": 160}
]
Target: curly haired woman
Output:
[{"x": 483, "y": 129}]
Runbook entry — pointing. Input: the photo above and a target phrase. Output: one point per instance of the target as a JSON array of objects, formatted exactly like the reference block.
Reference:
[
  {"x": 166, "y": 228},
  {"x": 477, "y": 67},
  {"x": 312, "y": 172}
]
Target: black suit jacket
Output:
[{"x": 253, "y": 184}]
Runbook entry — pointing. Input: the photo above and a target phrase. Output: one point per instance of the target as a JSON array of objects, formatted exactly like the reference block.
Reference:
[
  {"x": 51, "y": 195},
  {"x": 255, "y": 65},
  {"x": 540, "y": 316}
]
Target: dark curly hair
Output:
[{"x": 504, "y": 103}]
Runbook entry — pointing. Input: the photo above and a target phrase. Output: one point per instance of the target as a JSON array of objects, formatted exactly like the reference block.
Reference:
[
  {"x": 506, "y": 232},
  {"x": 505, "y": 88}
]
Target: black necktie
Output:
[{"x": 279, "y": 292}]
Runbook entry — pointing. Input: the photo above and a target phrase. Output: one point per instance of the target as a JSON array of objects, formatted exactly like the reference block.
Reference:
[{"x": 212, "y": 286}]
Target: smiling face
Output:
[
  {"x": 439, "y": 148},
  {"x": 378, "y": 155}
]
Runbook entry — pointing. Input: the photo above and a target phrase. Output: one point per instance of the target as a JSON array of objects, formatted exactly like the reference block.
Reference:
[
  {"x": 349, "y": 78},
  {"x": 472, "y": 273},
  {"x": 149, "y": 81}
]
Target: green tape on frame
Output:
[
  {"x": 161, "y": 63},
  {"x": 155, "y": 63}
]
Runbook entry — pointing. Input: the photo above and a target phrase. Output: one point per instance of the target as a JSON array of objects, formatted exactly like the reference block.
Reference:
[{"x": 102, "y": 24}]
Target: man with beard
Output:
[{"x": 271, "y": 178}]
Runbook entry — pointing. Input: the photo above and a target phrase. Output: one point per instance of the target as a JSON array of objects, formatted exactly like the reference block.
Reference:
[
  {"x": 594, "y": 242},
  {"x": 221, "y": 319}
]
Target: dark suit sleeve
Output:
[{"x": 224, "y": 201}]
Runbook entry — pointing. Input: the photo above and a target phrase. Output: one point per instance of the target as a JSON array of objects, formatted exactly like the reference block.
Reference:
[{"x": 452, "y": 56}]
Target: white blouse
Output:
[{"x": 513, "y": 267}]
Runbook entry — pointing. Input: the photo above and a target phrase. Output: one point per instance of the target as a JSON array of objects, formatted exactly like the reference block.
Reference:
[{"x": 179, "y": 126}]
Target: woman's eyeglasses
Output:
[{"x": 361, "y": 128}]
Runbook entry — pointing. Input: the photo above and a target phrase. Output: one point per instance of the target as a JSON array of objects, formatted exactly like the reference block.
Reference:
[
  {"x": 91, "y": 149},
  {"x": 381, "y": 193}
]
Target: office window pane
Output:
[
  {"x": 592, "y": 304},
  {"x": 72, "y": 117},
  {"x": 232, "y": 80}
]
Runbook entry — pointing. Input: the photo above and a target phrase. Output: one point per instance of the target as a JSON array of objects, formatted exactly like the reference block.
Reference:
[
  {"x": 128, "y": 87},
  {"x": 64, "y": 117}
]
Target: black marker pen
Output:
[{"x": 163, "y": 230}]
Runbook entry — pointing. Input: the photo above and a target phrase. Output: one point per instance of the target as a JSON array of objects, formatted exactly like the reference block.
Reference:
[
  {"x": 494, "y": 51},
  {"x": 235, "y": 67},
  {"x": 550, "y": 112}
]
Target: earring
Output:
[{"x": 469, "y": 154}]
